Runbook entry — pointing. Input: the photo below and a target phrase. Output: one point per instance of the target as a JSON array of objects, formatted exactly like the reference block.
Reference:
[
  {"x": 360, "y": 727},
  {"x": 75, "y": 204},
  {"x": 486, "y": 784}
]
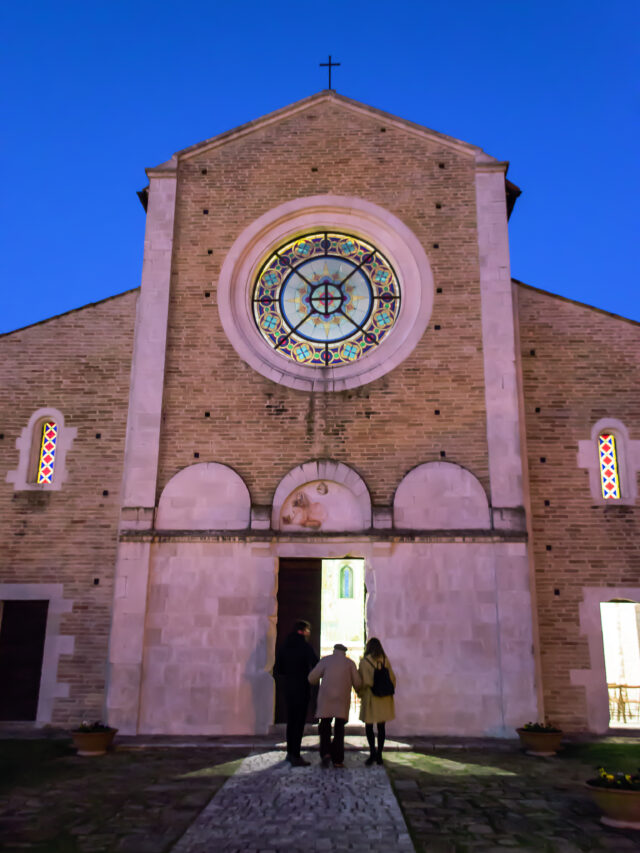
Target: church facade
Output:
[{"x": 327, "y": 359}]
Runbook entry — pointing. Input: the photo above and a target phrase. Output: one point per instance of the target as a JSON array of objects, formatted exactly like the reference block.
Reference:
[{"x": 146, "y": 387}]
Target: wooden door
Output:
[
  {"x": 22, "y": 632},
  {"x": 299, "y": 593}
]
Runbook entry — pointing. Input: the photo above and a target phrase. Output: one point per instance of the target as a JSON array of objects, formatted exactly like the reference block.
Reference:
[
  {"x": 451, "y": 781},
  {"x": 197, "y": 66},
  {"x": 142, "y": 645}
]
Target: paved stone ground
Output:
[
  {"x": 270, "y": 806},
  {"x": 486, "y": 801},
  {"x": 473, "y": 795}
]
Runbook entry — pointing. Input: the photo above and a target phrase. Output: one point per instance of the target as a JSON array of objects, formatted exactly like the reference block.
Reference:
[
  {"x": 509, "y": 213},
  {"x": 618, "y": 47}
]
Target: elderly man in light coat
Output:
[{"x": 339, "y": 674}]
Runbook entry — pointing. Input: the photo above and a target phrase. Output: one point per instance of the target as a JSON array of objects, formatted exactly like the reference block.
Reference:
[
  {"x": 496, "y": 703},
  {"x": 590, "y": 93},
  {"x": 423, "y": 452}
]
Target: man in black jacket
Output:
[{"x": 294, "y": 661}]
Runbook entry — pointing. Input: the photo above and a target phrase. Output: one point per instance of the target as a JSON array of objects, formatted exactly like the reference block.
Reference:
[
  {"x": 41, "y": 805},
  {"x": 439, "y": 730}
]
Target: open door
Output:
[{"x": 299, "y": 593}]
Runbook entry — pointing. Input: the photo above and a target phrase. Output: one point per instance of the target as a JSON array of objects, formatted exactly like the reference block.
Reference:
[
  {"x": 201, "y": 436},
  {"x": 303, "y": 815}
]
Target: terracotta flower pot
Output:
[
  {"x": 93, "y": 743},
  {"x": 540, "y": 743},
  {"x": 621, "y": 808}
]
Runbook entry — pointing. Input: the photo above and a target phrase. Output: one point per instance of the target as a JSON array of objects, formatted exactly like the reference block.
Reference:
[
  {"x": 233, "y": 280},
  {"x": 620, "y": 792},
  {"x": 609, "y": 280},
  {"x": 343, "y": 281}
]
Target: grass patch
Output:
[{"x": 624, "y": 757}]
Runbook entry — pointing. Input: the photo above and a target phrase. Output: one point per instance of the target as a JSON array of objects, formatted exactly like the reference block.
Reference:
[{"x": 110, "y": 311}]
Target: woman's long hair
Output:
[{"x": 374, "y": 648}]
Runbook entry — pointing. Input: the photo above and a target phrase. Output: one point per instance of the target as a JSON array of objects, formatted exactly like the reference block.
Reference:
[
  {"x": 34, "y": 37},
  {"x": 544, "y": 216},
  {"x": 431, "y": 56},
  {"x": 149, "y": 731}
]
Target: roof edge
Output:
[
  {"x": 576, "y": 302},
  {"x": 70, "y": 311},
  {"x": 311, "y": 100}
]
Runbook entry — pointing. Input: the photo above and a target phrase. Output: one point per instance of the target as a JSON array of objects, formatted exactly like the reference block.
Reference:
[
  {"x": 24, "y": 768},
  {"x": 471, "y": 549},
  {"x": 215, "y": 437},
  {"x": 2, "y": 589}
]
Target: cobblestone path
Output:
[{"x": 269, "y": 806}]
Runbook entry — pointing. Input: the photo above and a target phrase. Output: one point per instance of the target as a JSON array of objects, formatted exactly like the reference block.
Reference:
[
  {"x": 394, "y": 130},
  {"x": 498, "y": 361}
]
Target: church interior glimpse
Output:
[
  {"x": 331, "y": 595},
  {"x": 621, "y": 638},
  {"x": 342, "y": 613}
]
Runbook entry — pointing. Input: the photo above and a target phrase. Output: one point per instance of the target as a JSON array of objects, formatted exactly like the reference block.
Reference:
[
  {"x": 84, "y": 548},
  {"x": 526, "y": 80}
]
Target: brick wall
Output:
[
  {"x": 384, "y": 428},
  {"x": 582, "y": 368},
  {"x": 78, "y": 363}
]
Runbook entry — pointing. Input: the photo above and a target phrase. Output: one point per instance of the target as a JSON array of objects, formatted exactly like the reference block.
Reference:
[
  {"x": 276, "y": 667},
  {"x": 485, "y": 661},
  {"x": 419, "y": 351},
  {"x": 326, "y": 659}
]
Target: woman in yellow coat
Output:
[{"x": 375, "y": 709}]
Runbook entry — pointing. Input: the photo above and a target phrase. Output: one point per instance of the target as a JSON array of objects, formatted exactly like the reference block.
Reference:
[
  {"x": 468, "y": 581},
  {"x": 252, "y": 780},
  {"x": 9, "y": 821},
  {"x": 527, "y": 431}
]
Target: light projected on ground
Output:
[{"x": 443, "y": 766}]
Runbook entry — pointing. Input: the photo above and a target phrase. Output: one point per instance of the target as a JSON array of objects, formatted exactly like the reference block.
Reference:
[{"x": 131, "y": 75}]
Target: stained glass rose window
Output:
[{"x": 325, "y": 299}]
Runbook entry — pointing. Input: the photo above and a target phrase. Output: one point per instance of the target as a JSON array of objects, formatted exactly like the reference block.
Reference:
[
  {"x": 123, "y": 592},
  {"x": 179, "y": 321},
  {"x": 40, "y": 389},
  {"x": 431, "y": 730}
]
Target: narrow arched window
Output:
[
  {"x": 609, "y": 477},
  {"x": 346, "y": 582},
  {"x": 48, "y": 439}
]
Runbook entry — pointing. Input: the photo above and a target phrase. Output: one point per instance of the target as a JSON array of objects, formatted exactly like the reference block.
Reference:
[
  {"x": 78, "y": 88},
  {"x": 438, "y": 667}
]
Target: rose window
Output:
[{"x": 326, "y": 299}]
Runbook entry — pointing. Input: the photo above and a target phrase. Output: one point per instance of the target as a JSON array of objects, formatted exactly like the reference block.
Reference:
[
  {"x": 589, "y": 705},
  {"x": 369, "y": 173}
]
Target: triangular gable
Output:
[{"x": 328, "y": 95}]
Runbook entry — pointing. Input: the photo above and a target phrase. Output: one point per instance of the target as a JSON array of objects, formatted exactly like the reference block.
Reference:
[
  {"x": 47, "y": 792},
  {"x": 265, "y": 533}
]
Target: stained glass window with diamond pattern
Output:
[
  {"x": 609, "y": 479},
  {"x": 47, "y": 456},
  {"x": 326, "y": 299}
]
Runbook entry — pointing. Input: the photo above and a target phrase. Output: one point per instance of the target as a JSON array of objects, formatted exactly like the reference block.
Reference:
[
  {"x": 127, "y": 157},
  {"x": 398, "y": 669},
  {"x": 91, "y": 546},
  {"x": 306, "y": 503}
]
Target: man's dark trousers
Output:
[
  {"x": 297, "y": 699},
  {"x": 335, "y": 749}
]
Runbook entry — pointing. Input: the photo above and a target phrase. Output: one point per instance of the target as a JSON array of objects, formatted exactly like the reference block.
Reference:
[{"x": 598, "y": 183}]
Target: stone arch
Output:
[
  {"x": 441, "y": 496},
  {"x": 349, "y": 507},
  {"x": 28, "y": 444},
  {"x": 205, "y": 496}
]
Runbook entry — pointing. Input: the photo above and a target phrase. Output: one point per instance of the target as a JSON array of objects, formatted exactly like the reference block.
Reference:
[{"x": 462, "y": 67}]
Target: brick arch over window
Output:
[
  {"x": 24, "y": 477},
  {"x": 325, "y": 471},
  {"x": 441, "y": 496},
  {"x": 628, "y": 458},
  {"x": 205, "y": 496}
]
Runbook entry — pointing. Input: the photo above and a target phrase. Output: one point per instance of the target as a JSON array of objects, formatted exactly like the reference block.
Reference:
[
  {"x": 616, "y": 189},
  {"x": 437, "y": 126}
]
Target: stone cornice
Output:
[{"x": 368, "y": 536}]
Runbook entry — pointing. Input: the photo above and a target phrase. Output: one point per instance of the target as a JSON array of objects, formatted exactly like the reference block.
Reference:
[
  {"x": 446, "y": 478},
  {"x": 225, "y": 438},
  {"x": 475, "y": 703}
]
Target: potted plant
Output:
[
  {"x": 540, "y": 738},
  {"x": 618, "y": 796},
  {"x": 93, "y": 738}
]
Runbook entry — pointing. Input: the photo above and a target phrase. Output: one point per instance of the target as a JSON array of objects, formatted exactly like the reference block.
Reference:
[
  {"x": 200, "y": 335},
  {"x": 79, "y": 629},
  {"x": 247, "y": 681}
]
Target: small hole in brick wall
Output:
[
  {"x": 1, "y": 436},
  {"x": 196, "y": 456},
  {"x": 96, "y": 581},
  {"x": 204, "y": 171},
  {"x": 205, "y": 211},
  {"x": 436, "y": 245},
  {"x": 532, "y": 352},
  {"x": 105, "y": 493},
  {"x": 98, "y": 435},
  {"x": 436, "y": 411},
  {"x": 443, "y": 453},
  {"x": 209, "y": 251},
  {"x": 547, "y": 503},
  {"x": 438, "y": 206},
  {"x": 549, "y": 547},
  {"x": 437, "y": 328},
  {"x": 537, "y": 410},
  {"x": 543, "y": 459},
  {"x": 440, "y": 165},
  {"x": 207, "y": 414},
  {"x": 556, "y": 591},
  {"x": 438, "y": 290},
  {"x": 383, "y": 130},
  {"x": 206, "y": 294},
  {"x": 314, "y": 168}
]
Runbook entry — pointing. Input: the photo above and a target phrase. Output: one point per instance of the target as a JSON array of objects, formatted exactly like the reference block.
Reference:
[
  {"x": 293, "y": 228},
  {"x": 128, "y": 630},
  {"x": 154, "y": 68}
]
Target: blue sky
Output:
[{"x": 94, "y": 92}]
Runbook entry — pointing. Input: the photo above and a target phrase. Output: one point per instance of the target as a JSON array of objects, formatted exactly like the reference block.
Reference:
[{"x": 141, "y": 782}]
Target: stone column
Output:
[{"x": 138, "y": 495}]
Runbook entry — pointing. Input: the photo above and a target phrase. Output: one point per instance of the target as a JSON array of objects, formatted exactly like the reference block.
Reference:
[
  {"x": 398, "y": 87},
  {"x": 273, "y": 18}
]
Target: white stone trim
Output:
[
  {"x": 55, "y": 643},
  {"x": 147, "y": 366},
  {"x": 498, "y": 339},
  {"x": 322, "y": 470},
  {"x": 356, "y": 216},
  {"x": 26, "y": 442},
  {"x": 594, "y": 680},
  {"x": 126, "y": 639},
  {"x": 628, "y": 454}
]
